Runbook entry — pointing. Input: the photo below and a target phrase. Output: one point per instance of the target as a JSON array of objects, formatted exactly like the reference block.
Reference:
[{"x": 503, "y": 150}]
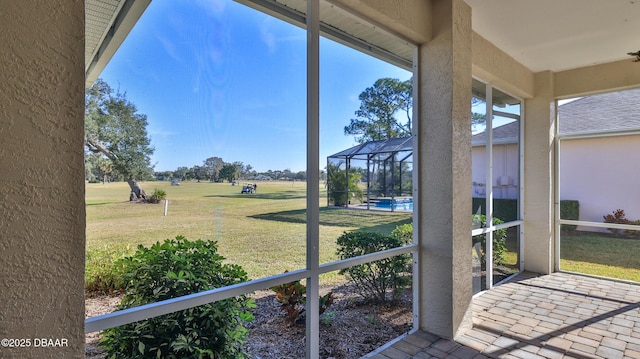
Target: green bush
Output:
[
  {"x": 503, "y": 208},
  {"x": 175, "y": 268},
  {"x": 376, "y": 279},
  {"x": 404, "y": 233},
  {"x": 499, "y": 240},
  {"x": 569, "y": 209},
  {"x": 101, "y": 273},
  {"x": 157, "y": 195}
]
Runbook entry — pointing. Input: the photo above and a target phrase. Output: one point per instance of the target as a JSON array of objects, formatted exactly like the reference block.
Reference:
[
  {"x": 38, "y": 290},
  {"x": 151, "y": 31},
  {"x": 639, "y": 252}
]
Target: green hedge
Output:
[
  {"x": 505, "y": 209},
  {"x": 569, "y": 209}
]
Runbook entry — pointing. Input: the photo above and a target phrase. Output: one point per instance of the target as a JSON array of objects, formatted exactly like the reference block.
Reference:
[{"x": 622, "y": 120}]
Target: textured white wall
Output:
[{"x": 42, "y": 214}]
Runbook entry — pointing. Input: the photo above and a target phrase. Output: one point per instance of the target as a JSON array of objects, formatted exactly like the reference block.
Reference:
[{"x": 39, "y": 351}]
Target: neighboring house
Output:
[
  {"x": 505, "y": 162},
  {"x": 599, "y": 148}
]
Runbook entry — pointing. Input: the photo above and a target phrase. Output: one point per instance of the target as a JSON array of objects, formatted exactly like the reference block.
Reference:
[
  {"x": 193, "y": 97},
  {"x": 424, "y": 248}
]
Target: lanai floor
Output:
[{"x": 550, "y": 316}]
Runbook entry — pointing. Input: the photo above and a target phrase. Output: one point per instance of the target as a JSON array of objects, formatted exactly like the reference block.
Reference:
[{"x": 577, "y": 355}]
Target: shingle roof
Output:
[
  {"x": 613, "y": 111},
  {"x": 504, "y": 133}
]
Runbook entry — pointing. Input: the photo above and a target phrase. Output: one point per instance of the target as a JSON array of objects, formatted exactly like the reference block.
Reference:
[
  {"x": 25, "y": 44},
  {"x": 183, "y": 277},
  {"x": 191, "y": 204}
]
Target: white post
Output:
[{"x": 166, "y": 206}]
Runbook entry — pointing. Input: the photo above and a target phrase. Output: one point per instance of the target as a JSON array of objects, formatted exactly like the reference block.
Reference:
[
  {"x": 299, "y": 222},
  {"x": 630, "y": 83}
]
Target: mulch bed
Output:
[{"x": 350, "y": 328}]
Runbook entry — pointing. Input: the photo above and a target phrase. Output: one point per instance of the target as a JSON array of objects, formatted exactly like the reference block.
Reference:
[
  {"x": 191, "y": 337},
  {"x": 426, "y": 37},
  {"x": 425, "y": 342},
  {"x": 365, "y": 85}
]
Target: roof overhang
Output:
[
  {"x": 343, "y": 27},
  {"x": 107, "y": 25},
  {"x": 542, "y": 35}
]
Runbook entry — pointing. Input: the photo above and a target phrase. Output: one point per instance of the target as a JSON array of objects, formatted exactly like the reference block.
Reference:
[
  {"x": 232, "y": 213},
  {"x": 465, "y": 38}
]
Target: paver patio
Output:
[{"x": 550, "y": 316}]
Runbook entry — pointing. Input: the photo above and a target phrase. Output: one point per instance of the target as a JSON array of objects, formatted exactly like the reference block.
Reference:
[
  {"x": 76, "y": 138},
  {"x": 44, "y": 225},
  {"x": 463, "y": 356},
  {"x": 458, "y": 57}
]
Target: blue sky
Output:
[{"x": 216, "y": 78}]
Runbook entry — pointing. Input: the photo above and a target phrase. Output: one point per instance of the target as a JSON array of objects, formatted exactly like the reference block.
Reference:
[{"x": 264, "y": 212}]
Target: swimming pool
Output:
[{"x": 399, "y": 203}]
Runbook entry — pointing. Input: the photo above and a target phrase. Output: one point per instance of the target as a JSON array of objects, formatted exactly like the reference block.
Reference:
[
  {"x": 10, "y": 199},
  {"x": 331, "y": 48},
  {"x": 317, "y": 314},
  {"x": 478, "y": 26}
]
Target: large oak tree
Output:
[{"x": 115, "y": 129}]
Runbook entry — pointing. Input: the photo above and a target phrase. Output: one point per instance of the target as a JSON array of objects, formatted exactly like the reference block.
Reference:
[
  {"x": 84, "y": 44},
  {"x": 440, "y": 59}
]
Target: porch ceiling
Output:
[
  {"x": 559, "y": 35},
  {"x": 542, "y": 35}
]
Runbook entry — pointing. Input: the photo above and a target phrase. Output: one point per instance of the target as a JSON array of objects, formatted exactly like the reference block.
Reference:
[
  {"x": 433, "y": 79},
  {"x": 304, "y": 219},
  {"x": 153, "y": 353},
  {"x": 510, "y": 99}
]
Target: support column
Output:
[
  {"x": 42, "y": 211},
  {"x": 540, "y": 114},
  {"x": 444, "y": 177}
]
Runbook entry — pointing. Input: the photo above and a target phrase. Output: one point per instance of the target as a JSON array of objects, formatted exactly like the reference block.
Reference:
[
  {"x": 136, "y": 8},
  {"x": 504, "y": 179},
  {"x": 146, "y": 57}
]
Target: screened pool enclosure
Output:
[{"x": 375, "y": 174}]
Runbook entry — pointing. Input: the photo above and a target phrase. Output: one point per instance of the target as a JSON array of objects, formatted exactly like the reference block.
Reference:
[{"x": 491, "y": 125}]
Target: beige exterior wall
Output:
[
  {"x": 590, "y": 80},
  {"x": 539, "y": 129},
  {"x": 42, "y": 217},
  {"x": 493, "y": 66},
  {"x": 603, "y": 174}
]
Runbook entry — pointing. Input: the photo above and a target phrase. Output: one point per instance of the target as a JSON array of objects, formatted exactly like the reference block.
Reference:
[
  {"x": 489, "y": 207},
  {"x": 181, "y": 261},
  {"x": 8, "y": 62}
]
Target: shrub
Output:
[
  {"x": 503, "y": 208},
  {"x": 569, "y": 209},
  {"x": 404, "y": 233},
  {"x": 619, "y": 217},
  {"x": 499, "y": 240},
  {"x": 375, "y": 279},
  {"x": 292, "y": 297},
  {"x": 157, "y": 196},
  {"x": 175, "y": 268},
  {"x": 101, "y": 273}
]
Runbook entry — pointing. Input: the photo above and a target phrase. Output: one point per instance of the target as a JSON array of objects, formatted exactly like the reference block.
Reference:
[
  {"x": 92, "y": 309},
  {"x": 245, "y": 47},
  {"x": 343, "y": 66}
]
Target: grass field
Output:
[
  {"x": 600, "y": 255},
  {"x": 264, "y": 232}
]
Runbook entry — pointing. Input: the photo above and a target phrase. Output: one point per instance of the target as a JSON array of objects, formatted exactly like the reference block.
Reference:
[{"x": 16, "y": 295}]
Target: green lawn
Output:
[
  {"x": 601, "y": 255},
  {"x": 264, "y": 232}
]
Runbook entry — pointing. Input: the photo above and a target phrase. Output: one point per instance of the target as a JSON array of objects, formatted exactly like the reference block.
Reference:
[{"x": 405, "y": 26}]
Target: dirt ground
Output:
[{"x": 350, "y": 328}]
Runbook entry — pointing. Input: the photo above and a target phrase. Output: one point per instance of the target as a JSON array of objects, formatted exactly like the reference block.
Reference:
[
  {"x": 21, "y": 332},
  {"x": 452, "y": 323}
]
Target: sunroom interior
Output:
[{"x": 534, "y": 53}]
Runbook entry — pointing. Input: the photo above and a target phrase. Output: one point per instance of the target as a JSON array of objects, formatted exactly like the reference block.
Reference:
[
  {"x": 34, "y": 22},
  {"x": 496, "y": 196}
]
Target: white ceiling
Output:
[{"x": 560, "y": 34}]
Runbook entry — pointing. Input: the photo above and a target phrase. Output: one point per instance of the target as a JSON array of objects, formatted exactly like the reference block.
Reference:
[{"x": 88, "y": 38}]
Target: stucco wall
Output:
[
  {"x": 410, "y": 19},
  {"x": 444, "y": 175},
  {"x": 492, "y": 65},
  {"x": 41, "y": 176},
  {"x": 594, "y": 79},
  {"x": 539, "y": 127},
  {"x": 603, "y": 174}
]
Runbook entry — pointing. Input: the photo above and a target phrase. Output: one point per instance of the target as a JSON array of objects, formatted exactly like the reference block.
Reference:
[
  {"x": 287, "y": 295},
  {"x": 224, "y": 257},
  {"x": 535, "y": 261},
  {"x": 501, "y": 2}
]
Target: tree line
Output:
[
  {"x": 118, "y": 146},
  {"x": 214, "y": 169}
]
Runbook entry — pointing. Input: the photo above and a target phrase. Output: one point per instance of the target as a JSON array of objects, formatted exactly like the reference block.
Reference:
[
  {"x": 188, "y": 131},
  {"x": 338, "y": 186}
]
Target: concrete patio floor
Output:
[{"x": 551, "y": 316}]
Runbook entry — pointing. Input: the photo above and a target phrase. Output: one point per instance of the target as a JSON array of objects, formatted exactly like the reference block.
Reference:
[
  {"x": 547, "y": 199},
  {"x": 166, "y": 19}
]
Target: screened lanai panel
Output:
[
  {"x": 355, "y": 171},
  {"x": 377, "y": 148},
  {"x": 234, "y": 153},
  {"x": 386, "y": 168},
  {"x": 496, "y": 154},
  {"x": 599, "y": 139}
]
